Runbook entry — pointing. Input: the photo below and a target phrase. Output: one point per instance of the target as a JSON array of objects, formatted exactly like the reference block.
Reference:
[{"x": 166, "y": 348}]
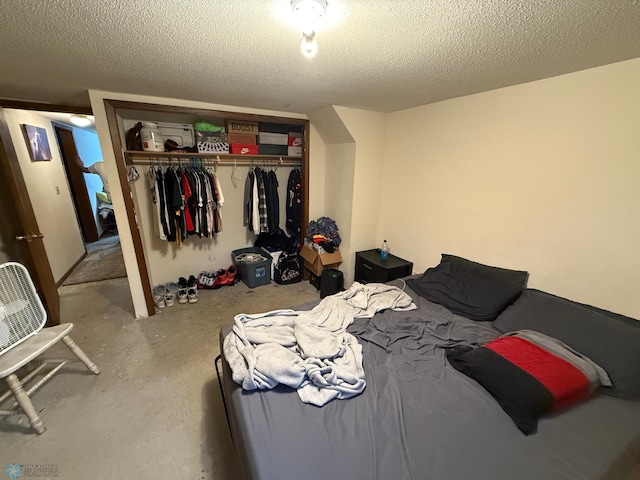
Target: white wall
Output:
[
  {"x": 54, "y": 211},
  {"x": 97, "y": 104},
  {"x": 543, "y": 176}
]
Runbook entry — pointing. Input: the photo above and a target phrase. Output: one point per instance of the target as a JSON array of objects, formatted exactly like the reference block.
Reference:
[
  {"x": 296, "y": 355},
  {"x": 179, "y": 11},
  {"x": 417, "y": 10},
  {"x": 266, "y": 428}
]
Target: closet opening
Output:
[{"x": 158, "y": 260}]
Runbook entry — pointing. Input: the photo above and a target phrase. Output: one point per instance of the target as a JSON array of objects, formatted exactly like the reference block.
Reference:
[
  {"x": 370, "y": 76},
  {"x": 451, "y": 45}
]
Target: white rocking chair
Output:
[{"x": 22, "y": 339}]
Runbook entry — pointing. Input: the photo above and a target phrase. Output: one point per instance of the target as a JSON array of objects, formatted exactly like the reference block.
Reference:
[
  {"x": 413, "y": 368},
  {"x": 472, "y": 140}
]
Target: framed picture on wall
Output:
[{"x": 37, "y": 143}]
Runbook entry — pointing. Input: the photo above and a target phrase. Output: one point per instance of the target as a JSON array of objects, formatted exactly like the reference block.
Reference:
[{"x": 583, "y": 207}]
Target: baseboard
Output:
[{"x": 70, "y": 271}]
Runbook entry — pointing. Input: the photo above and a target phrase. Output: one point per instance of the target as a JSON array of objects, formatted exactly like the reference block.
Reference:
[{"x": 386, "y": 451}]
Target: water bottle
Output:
[{"x": 384, "y": 251}]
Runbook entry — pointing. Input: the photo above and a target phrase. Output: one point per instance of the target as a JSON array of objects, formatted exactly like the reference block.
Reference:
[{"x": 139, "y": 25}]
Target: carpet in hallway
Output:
[{"x": 104, "y": 261}]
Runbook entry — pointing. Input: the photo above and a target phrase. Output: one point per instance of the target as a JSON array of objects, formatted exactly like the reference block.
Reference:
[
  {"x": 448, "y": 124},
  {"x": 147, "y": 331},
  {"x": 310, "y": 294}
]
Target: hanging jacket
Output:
[{"x": 294, "y": 202}]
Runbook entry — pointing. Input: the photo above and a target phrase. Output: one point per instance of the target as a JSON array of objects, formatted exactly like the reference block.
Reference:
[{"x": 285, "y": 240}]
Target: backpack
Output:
[{"x": 287, "y": 270}]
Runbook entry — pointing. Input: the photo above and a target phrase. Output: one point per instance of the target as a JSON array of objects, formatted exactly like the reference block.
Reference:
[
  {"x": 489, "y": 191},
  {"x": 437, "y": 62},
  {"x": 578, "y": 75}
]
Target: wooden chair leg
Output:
[
  {"x": 77, "y": 351},
  {"x": 25, "y": 403}
]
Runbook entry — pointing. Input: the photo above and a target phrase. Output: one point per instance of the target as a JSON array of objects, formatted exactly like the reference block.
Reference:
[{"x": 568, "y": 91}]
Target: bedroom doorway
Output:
[{"x": 103, "y": 259}]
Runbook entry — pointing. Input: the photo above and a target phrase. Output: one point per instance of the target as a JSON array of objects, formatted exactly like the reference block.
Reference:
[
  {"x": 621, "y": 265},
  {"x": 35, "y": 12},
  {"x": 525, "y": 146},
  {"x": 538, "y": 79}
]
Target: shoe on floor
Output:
[
  {"x": 192, "y": 290},
  {"x": 232, "y": 273},
  {"x": 202, "y": 279},
  {"x": 159, "y": 292},
  {"x": 171, "y": 293},
  {"x": 221, "y": 278},
  {"x": 182, "y": 290}
]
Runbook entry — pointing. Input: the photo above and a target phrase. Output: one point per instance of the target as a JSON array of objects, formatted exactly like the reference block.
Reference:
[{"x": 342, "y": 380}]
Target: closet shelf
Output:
[
  {"x": 215, "y": 156},
  {"x": 151, "y": 158}
]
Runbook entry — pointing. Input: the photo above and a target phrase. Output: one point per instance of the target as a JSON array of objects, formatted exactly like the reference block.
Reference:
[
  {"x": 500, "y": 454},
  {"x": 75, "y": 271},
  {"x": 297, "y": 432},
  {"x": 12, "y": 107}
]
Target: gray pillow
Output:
[
  {"x": 464, "y": 293},
  {"x": 514, "y": 278},
  {"x": 609, "y": 339}
]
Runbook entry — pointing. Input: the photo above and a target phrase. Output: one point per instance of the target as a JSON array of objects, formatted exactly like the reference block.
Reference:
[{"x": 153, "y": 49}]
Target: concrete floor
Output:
[{"x": 155, "y": 411}]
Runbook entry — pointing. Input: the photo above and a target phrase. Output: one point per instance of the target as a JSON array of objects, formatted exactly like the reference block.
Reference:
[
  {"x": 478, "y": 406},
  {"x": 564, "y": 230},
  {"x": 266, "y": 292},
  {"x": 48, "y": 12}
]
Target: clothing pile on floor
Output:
[{"x": 310, "y": 351}]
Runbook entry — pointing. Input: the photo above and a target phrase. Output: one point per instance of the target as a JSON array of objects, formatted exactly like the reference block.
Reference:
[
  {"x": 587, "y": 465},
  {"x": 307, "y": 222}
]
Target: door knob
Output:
[{"x": 29, "y": 236}]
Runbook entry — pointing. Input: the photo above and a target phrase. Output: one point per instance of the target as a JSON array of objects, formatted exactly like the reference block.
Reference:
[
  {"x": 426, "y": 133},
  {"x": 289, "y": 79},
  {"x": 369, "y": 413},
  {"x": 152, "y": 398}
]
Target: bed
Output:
[{"x": 420, "y": 418}]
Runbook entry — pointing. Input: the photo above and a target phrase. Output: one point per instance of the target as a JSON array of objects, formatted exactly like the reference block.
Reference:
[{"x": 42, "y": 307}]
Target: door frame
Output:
[{"x": 32, "y": 250}]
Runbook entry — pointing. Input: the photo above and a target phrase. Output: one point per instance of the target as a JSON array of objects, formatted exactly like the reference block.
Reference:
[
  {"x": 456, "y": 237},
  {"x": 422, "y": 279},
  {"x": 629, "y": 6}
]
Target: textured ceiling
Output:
[{"x": 376, "y": 55}]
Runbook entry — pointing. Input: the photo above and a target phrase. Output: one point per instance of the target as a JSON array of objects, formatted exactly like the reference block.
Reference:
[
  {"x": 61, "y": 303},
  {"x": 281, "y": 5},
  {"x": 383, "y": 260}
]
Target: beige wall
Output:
[
  {"x": 543, "y": 176},
  {"x": 368, "y": 131},
  {"x": 354, "y": 155},
  {"x": 165, "y": 262},
  {"x": 54, "y": 211}
]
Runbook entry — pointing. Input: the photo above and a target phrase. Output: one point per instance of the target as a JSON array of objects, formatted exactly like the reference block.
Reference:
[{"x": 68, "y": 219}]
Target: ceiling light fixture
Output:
[
  {"x": 80, "y": 120},
  {"x": 308, "y": 14},
  {"x": 309, "y": 45}
]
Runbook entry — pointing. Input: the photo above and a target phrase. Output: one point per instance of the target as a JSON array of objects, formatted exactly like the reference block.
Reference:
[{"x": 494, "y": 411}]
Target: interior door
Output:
[
  {"x": 21, "y": 237},
  {"x": 77, "y": 185}
]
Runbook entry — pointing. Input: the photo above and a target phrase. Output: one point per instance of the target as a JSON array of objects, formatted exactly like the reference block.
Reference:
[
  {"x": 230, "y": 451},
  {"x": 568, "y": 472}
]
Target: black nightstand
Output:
[{"x": 371, "y": 269}]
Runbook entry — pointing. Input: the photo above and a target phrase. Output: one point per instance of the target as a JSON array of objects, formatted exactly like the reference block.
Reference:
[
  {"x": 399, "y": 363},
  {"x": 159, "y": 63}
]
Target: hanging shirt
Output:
[{"x": 152, "y": 183}]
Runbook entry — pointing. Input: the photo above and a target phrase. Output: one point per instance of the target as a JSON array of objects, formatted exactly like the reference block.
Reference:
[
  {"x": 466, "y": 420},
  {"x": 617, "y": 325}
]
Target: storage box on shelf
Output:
[
  {"x": 244, "y": 149},
  {"x": 253, "y": 273},
  {"x": 268, "y": 138},
  {"x": 211, "y": 142},
  {"x": 294, "y": 139},
  {"x": 241, "y": 139},
  {"x": 273, "y": 150},
  {"x": 242, "y": 126}
]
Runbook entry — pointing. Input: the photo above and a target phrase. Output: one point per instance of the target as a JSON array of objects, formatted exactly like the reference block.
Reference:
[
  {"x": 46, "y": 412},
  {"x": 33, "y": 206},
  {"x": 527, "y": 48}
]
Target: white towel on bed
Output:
[{"x": 309, "y": 350}]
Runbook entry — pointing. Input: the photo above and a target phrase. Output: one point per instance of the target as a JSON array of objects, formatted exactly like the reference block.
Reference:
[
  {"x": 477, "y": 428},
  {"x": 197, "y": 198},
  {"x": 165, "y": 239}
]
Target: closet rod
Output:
[{"x": 253, "y": 162}]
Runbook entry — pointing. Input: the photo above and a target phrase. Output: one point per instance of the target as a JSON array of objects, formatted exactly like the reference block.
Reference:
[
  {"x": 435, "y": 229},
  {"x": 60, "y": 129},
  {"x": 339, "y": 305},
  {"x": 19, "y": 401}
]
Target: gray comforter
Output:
[{"x": 419, "y": 418}]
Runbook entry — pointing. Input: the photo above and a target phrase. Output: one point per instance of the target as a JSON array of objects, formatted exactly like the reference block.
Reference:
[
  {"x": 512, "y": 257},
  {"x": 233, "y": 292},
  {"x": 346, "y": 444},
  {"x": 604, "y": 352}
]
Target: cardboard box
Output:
[
  {"x": 295, "y": 139},
  {"x": 273, "y": 138},
  {"x": 316, "y": 263},
  {"x": 266, "y": 149},
  {"x": 294, "y": 151},
  {"x": 242, "y": 126},
  {"x": 243, "y": 149},
  {"x": 274, "y": 127},
  {"x": 242, "y": 138}
]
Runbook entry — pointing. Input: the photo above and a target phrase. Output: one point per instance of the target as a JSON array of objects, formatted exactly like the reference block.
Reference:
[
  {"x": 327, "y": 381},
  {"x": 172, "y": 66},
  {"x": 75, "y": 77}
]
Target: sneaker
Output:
[
  {"x": 182, "y": 290},
  {"x": 211, "y": 279},
  {"x": 158, "y": 296},
  {"x": 221, "y": 279},
  {"x": 202, "y": 279},
  {"x": 171, "y": 293},
  {"x": 192, "y": 289},
  {"x": 232, "y": 275}
]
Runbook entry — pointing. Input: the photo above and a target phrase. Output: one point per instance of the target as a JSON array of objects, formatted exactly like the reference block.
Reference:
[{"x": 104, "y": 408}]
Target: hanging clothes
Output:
[
  {"x": 152, "y": 184},
  {"x": 262, "y": 201},
  {"x": 174, "y": 205},
  {"x": 294, "y": 202},
  {"x": 273, "y": 202}
]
